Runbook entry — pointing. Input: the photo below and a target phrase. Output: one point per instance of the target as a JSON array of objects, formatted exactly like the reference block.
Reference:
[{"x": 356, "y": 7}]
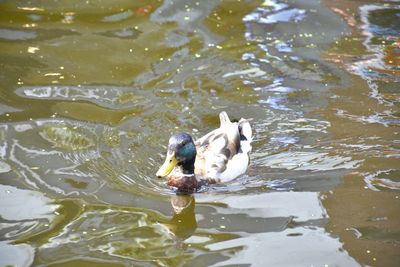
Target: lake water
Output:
[{"x": 90, "y": 92}]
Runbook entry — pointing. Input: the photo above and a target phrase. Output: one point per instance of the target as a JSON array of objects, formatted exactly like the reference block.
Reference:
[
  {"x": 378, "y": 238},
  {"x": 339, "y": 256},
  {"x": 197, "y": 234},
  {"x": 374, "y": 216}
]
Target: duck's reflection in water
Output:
[{"x": 183, "y": 223}]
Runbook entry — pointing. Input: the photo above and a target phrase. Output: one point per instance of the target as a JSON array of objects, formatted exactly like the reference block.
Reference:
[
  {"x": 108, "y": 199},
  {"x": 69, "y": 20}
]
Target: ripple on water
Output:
[
  {"x": 14, "y": 206},
  {"x": 16, "y": 255},
  {"x": 66, "y": 138},
  {"x": 24, "y": 213},
  {"x": 313, "y": 161},
  {"x": 379, "y": 68},
  {"x": 120, "y": 233},
  {"x": 301, "y": 241},
  {"x": 383, "y": 180},
  {"x": 82, "y": 160},
  {"x": 36, "y": 34},
  {"x": 105, "y": 96},
  {"x": 275, "y": 12}
]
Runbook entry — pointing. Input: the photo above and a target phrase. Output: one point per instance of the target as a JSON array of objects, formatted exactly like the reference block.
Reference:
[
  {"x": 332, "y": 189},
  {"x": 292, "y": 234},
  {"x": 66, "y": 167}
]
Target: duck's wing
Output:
[
  {"x": 246, "y": 135},
  {"x": 219, "y": 153}
]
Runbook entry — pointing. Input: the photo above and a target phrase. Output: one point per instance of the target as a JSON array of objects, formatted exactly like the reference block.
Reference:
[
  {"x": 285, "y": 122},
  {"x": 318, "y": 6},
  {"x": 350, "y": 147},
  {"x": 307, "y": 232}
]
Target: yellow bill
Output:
[{"x": 168, "y": 166}]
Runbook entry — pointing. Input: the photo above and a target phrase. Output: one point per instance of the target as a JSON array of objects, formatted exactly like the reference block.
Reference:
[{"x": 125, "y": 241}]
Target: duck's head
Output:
[{"x": 181, "y": 152}]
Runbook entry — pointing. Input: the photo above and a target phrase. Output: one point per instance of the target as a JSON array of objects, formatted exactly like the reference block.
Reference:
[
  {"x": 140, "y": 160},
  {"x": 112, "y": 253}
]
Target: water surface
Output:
[{"x": 91, "y": 91}]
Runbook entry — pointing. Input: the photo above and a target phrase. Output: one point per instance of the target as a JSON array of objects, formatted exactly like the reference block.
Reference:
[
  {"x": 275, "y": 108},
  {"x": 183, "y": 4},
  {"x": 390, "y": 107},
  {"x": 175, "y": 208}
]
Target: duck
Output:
[{"x": 218, "y": 157}]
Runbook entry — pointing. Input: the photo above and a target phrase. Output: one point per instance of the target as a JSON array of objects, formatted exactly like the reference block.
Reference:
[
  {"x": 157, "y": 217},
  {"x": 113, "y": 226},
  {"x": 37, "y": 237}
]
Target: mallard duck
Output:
[{"x": 219, "y": 156}]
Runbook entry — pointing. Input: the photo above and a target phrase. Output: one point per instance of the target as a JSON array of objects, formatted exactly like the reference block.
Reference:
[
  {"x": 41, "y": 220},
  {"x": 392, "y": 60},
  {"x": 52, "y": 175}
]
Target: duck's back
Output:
[{"x": 222, "y": 154}]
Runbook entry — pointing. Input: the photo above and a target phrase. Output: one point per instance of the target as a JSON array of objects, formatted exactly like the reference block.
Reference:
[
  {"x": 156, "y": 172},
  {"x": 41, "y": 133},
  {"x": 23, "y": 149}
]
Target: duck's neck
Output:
[{"x": 187, "y": 167}]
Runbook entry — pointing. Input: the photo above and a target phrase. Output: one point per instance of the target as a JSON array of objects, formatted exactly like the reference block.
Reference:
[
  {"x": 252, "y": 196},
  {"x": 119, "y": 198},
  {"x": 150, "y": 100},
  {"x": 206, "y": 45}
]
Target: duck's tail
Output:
[
  {"x": 223, "y": 118},
  {"x": 244, "y": 130}
]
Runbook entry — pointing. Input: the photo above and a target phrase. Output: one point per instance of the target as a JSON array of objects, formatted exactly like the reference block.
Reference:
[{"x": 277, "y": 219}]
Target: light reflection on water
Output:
[
  {"x": 380, "y": 69},
  {"x": 303, "y": 244},
  {"x": 87, "y": 129}
]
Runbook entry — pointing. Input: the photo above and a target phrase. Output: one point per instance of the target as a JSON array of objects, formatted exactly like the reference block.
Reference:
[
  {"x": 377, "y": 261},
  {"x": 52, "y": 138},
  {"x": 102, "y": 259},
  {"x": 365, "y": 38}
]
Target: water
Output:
[{"x": 91, "y": 91}]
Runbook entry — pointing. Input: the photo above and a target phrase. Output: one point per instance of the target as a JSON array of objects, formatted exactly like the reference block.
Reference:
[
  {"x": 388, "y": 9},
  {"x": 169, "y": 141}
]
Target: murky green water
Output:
[{"x": 91, "y": 91}]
